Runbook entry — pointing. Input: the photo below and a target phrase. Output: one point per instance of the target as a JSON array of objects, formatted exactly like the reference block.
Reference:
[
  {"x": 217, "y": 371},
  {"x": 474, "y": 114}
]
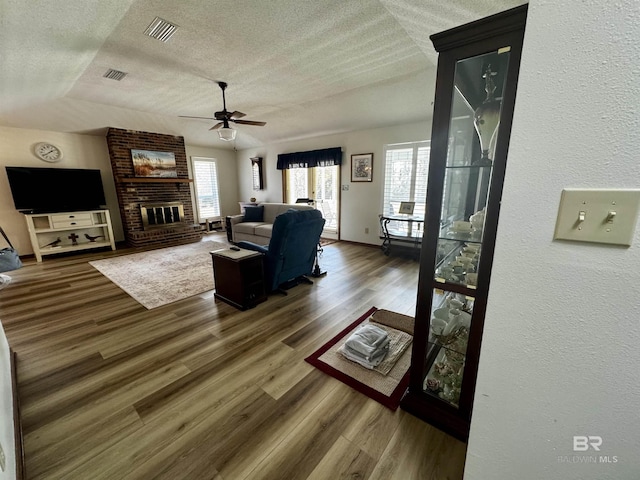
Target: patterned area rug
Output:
[
  {"x": 385, "y": 388},
  {"x": 162, "y": 276},
  {"x": 326, "y": 241}
]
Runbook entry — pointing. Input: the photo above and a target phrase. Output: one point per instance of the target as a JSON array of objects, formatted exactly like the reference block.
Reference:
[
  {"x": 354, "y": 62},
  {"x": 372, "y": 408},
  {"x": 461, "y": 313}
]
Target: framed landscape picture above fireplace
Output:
[{"x": 150, "y": 164}]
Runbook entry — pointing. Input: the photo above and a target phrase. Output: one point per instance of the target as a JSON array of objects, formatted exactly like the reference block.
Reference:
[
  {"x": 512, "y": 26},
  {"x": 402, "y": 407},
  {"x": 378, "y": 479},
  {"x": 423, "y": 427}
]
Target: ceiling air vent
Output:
[
  {"x": 115, "y": 74},
  {"x": 161, "y": 29}
]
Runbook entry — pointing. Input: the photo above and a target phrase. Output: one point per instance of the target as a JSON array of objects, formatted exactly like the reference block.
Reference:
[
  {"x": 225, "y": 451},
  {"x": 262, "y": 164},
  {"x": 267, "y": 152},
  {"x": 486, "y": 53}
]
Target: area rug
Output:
[
  {"x": 385, "y": 389},
  {"x": 162, "y": 276},
  {"x": 326, "y": 241}
]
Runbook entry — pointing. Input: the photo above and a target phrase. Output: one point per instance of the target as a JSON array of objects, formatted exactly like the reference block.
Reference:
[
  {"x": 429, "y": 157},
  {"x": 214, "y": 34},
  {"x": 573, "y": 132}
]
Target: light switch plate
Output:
[{"x": 598, "y": 215}]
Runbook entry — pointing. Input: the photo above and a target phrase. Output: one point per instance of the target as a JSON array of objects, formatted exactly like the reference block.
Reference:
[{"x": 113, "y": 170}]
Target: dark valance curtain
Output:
[{"x": 314, "y": 158}]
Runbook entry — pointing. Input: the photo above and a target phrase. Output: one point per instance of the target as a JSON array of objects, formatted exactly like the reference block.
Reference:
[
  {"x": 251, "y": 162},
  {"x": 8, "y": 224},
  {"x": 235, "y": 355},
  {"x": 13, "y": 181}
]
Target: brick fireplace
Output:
[{"x": 159, "y": 196}]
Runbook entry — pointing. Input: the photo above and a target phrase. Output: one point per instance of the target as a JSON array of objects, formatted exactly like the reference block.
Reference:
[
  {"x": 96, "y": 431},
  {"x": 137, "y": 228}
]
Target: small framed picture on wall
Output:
[{"x": 362, "y": 167}]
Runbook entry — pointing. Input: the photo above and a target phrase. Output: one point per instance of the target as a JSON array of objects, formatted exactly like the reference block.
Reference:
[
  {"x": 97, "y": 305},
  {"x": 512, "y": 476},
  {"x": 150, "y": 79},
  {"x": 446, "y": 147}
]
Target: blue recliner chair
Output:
[{"x": 292, "y": 249}]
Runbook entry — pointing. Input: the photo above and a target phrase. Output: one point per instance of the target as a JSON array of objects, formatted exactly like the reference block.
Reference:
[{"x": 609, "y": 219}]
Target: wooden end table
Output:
[{"x": 239, "y": 277}]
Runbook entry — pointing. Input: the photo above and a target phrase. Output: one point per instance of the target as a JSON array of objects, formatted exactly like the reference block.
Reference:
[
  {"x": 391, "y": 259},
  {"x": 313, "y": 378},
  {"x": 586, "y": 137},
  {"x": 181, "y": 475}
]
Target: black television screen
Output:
[{"x": 43, "y": 190}]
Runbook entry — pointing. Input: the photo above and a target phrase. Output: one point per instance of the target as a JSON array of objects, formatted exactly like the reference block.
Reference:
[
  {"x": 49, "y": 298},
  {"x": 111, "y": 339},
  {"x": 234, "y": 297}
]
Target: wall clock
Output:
[{"x": 47, "y": 152}]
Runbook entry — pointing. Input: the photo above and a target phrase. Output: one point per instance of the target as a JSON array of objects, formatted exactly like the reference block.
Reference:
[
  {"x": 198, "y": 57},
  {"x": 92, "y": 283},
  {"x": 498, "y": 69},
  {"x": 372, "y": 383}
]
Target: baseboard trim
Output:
[{"x": 370, "y": 245}]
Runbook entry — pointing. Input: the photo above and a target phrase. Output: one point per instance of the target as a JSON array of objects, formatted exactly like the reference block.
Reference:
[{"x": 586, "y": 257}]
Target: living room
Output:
[{"x": 550, "y": 302}]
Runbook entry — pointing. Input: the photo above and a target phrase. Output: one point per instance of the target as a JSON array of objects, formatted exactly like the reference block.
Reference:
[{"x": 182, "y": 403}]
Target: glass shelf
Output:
[
  {"x": 467, "y": 167},
  {"x": 447, "y": 346},
  {"x": 444, "y": 378}
]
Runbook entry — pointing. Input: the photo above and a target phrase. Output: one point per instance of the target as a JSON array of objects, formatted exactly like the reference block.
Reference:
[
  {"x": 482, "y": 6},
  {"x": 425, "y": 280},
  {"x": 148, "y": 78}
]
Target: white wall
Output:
[
  {"x": 226, "y": 166},
  {"x": 362, "y": 203},
  {"x": 7, "y": 439},
  {"x": 561, "y": 347},
  {"x": 79, "y": 151}
]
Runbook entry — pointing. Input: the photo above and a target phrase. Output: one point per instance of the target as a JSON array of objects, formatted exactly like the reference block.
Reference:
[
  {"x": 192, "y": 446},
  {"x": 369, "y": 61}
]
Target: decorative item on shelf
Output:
[
  {"x": 433, "y": 384},
  {"x": 151, "y": 164},
  {"x": 256, "y": 173},
  {"x": 460, "y": 227},
  {"x": 92, "y": 238},
  {"x": 453, "y": 335},
  {"x": 446, "y": 381},
  {"x": 477, "y": 222},
  {"x": 362, "y": 167},
  {"x": 487, "y": 117},
  {"x": 53, "y": 244},
  {"x": 47, "y": 152},
  {"x": 253, "y": 200},
  {"x": 74, "y": 239}
]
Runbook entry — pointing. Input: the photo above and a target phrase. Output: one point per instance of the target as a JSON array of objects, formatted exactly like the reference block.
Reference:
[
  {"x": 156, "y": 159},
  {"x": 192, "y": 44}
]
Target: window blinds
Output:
[
  {"x": 405, "y": 179},
  {"x": 206, "y": 186}
]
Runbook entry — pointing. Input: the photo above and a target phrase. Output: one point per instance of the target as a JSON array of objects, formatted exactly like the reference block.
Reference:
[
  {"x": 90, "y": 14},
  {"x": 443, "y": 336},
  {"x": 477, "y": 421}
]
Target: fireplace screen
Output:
[{"x": 156, "y": 215}]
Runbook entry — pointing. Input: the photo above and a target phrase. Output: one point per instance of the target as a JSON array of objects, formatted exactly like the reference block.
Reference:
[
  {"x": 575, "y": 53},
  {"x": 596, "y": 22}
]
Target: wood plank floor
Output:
[{"x": 199, "y": 390}]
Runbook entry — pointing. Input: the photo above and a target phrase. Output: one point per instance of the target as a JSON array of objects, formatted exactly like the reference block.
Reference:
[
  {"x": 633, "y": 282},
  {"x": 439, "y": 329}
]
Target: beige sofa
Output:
[{"x": 260, "y": 231}]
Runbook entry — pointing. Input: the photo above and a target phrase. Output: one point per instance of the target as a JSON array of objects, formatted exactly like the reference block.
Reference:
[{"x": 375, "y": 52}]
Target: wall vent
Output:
[
  {"x": 115, "y": 74},
  {"x": 161, "y": 29}
]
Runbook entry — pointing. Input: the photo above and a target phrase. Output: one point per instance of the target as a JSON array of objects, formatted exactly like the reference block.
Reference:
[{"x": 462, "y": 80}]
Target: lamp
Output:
[
  {"x": 226, "y": 133},
  {"x": 487, "y": 117}
]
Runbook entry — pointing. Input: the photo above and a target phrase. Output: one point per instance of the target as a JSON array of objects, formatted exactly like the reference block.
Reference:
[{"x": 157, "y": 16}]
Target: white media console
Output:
[{"x": 69, "y": 231}]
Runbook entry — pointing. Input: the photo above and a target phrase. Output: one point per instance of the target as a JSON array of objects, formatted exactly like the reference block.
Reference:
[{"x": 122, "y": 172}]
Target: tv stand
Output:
[{"x": 61, "y": 232}]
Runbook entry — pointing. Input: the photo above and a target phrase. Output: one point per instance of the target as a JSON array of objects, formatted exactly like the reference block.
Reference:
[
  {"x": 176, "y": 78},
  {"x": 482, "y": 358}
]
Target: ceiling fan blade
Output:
[
  {"x": 203, "y": 118},
  {"x": 237, "y": 114},
  {"x": 216, "y": 126},
  {"x": 249, "y": 122}
]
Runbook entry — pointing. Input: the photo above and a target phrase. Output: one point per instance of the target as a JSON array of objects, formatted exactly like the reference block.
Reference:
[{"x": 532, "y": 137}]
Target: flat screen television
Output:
[{"x": 46, "y": 190}]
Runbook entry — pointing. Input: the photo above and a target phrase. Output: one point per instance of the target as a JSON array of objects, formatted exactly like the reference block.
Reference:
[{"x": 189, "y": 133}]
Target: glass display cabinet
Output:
[{"x": 475, "y": 93}]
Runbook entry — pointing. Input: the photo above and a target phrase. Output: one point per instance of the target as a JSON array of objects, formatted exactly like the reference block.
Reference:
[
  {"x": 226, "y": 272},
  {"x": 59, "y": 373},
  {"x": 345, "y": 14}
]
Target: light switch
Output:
[{"x": 598, "y": 215}]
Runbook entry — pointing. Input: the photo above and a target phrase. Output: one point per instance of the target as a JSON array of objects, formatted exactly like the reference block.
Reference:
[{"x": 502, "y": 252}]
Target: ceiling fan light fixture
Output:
[{"x": 227, "y": 134}]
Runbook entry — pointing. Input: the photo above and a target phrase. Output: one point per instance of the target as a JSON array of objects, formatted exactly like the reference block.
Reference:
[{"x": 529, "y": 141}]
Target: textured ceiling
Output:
[{"x": 305, "y": 67}]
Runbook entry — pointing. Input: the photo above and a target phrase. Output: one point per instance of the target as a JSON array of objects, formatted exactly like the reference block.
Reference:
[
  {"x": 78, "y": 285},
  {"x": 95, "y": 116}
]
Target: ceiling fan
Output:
[{"x": 224, "y": 131}]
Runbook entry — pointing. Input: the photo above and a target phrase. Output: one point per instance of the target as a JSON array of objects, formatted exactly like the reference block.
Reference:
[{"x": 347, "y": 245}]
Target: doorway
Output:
[{"x": 321, "y": 185}]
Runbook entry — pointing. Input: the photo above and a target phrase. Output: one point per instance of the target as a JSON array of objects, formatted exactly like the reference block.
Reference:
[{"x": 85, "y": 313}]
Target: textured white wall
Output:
[
  {"x": 561, "y": 346},
  {"x": 361, "y": 204}
]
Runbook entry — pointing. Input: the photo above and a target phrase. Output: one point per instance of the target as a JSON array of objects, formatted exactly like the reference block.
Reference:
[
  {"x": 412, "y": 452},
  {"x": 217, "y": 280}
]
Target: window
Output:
[
  {"x": 205, "y": 177},
  {"x": 405, "y": 180}
]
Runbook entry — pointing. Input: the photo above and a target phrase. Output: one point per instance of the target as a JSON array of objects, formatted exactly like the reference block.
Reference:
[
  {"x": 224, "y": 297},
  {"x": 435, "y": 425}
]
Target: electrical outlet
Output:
[
  {"x": 366, "y": 230},
  {"x": 3, "y": 460}
]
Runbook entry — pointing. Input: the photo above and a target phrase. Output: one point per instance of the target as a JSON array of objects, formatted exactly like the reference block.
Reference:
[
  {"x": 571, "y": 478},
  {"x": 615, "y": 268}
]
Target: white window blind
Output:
[
  {"x": 205, "y": 178},
  {"x": 405, "y": 180}
]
